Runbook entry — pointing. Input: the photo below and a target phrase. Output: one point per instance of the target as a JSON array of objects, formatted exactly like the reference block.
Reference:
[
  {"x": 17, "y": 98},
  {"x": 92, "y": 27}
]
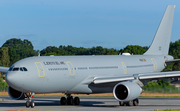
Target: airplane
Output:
[{"x": 123, "y": 75}]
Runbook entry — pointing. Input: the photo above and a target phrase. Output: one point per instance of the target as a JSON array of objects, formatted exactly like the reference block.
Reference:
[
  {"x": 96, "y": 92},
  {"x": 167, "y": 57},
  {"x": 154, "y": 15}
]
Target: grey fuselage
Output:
[{"x": 74, "y": 74}]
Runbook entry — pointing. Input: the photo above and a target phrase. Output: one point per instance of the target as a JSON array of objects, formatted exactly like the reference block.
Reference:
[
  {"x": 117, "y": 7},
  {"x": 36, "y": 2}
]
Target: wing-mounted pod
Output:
[
  {"x": 14, "y": 94},
  {"x": 126, "y": 91}
]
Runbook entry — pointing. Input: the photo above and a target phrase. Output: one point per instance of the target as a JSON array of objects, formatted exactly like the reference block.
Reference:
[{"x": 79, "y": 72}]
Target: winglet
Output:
[{"x": 160, "y": 44}]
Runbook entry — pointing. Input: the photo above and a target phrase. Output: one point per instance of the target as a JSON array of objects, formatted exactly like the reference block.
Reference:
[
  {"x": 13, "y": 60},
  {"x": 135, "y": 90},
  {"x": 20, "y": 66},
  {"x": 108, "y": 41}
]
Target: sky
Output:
[{"x": 85, "y": 23}]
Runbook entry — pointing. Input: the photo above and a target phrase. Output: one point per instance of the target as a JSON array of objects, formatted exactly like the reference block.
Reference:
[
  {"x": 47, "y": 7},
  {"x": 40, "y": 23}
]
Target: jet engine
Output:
[
  {"x": 14, "y": 94},
  {"x": 126, "y": 91}
]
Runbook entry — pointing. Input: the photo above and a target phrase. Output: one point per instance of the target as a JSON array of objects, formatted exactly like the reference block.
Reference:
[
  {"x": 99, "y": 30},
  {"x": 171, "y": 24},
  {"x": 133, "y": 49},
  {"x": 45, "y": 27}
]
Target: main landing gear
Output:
[
  {"x": 134, "y": 102},
  {"x": 70, "y": 100},
  {"x": 29, "y": 102}
]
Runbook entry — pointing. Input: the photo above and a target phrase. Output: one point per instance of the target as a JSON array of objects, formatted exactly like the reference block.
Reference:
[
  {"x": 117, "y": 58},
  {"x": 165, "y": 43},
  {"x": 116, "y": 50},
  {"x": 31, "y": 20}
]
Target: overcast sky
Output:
[{"x": 85, "y": 23}]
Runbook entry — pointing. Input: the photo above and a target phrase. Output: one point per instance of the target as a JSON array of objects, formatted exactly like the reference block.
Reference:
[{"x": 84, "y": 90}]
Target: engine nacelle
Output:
[
  {"x": 126, "y": 91},
  {"x": 14, "y": 94}
]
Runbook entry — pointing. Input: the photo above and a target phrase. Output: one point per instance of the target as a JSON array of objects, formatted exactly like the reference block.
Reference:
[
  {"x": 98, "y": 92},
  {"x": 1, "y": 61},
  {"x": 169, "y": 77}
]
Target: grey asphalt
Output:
[{"x": 90, "y": 104}]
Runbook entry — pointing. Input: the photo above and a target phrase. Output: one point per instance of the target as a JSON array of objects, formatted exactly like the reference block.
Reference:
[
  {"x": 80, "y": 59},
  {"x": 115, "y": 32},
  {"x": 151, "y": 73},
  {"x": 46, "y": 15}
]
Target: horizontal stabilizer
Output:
[{"x": 175, "y": 60}]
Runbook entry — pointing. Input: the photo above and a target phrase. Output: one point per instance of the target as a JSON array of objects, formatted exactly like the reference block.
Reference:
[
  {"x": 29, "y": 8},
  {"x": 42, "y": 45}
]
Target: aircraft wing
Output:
[
  {"x": 154, "y": 75},
  {"x": 4, "y": 69}
]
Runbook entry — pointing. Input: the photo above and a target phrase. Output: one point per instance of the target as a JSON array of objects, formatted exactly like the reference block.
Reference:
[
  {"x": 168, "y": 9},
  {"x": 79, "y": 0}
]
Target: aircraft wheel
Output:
[
  {"x": 63, "y": 101},
  {"x": 135, "y": 102},
  {"x": 32, "y": 104},
  {"x": 129, "y": 103},
  {"x": 27, "y": 104},
  {"x": 70, "y": 100},
  {"x": 76, "y": 100},
  {"x": 121, "y": 103}
]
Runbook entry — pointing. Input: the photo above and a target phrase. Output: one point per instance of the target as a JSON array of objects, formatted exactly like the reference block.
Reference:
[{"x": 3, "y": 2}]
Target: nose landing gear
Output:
[{"x": 30, "y": 102}]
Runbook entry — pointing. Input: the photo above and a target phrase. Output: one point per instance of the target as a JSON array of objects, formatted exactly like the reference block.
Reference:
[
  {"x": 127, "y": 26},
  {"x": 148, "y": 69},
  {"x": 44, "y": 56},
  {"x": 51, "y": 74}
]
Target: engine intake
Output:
[
  {"x": 14, "y": 94},
  {"x": 126, "y": 91}
]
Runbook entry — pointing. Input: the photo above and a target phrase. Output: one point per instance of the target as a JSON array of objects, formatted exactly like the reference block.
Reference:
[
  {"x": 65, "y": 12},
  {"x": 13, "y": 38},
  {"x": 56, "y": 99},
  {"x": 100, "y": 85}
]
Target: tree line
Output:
[{"x": 16, "y": 49}]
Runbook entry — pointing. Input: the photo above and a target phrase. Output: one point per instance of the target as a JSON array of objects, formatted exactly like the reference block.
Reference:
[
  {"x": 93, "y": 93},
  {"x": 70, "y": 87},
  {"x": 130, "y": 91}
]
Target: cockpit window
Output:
[
  {"x": 21, "y": 69},
  {"x": 25, "y": 69},
  {"x": 10, "y": 69},
  {"x": 16, "y": 69}
]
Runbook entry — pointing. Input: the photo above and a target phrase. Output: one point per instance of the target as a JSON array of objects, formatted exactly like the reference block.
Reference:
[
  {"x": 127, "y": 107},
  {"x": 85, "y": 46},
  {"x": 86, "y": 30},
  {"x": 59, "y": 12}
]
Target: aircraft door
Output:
[
  {"x": 71, "y": 68},
  {"x": 124, "y": 67},
  {"x": 40, "y": 69},
  {"x": 154, "y": 64}
]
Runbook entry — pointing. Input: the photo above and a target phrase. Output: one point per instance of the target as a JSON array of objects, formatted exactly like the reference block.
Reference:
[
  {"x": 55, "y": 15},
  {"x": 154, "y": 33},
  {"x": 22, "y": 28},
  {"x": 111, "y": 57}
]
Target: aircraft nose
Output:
[{"x": 10, "y": 78}]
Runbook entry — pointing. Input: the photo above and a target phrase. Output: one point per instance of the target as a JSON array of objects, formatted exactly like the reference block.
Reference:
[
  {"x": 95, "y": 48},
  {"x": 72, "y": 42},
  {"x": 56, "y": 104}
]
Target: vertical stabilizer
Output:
[{"x": 160, "y": 44}]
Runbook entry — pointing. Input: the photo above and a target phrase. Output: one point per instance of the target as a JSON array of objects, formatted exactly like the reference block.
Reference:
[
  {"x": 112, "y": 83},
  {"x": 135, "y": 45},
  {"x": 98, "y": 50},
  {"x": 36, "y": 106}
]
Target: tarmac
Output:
[{"x": 89, "y": 104}]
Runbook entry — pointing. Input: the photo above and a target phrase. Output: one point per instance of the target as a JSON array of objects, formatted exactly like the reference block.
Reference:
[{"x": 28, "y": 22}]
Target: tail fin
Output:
[{"x": 160, "y": 44}]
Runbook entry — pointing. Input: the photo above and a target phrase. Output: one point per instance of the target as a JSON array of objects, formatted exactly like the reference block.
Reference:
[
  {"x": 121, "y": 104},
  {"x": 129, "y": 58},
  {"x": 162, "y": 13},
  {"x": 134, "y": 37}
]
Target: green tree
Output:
[
  {"x": 146, "y": 48},
  {"x": 71, "y": 50},
  {"x": 97, "y": 51},
  {"x": 82, "y": 51},
  {"x": 14, "y": 57},
  {"x": 133, "y": 49},
  {"x": 174, "y": 51},
  {"x": 23, "y": 48},
  {"x": 49, "y": 49},
  {"x": 111, "y": 51},
  {"x": 4, "y": 57}
]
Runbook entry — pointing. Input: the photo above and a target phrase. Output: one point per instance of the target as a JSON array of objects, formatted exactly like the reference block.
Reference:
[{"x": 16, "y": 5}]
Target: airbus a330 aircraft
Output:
[{"x": 124, "y": 75}]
